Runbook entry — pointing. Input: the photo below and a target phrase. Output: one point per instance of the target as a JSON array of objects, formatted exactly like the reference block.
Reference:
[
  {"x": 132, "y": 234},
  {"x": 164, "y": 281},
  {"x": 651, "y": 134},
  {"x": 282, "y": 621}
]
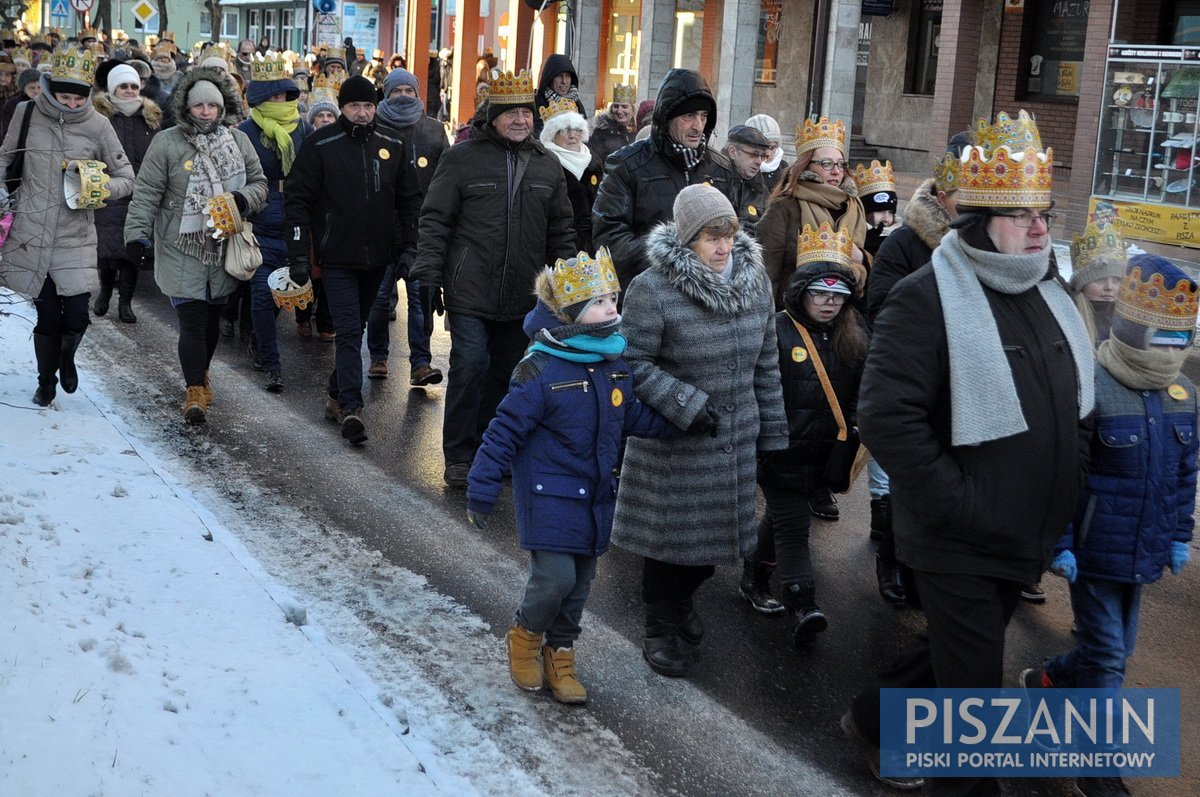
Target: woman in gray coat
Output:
[
  {"x": 198, "y": 159},
  {"x": 50, "y": 253},
  {"x": 702, "y": 349}
]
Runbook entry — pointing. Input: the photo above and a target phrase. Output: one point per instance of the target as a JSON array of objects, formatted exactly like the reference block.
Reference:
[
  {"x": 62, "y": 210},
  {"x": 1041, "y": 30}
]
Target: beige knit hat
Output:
[{"x": 698, "y": 206}]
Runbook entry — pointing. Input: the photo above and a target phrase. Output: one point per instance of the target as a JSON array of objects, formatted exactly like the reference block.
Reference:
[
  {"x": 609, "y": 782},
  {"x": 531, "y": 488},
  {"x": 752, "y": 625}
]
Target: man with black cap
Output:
[
  {"x": 495, "y": 214},
  {"x": 352, "y": 195},
  {"x": 747, "y": 148},
  {"x": 642, "y": 180}
]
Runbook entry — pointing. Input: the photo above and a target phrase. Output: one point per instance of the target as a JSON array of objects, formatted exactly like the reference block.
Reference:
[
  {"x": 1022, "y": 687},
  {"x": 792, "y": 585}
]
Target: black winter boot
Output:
[
  {"x": 823, "y": 505},
  {"x": 46, "y": 348},
  {"x": 881, "y": 517},
  {"x": 890, "y": 575},
  {"x": 807, "y": 618},
  {"x": 125, "y": 289},
  {"x": 66, "y": 362},
  {"x": 660, "y": 645},
  {"x": 108, "y": 277},
  {"x": 756, "y": 587},
  {"x": 691, "y": 627}
]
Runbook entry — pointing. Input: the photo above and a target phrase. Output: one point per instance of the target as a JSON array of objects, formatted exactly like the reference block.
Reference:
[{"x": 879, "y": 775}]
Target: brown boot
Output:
[
  {"x": 559, "y": 666},
  {"x": 208, "y": 398},
  {"x": 523, "y": 664},
  {"x": 195, "y": 406}
]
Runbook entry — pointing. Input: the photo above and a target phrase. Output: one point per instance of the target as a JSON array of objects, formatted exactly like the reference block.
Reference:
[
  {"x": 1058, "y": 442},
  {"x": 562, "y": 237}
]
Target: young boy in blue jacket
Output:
[
  {"x": 569, "y": 405},
  {"x": 1135, "y": 516}
]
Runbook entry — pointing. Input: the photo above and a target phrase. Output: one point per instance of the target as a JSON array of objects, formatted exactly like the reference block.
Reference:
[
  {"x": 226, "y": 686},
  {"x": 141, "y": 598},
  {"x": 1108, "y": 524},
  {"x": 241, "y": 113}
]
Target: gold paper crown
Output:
[
  {"x": 164, "y": 47},
  {"x": 219, "y": 50},
  {"x": 509, "y": 89},
  {"x": 323, "y": 94},
  {"x": 623, "y": 93},
  {"x": 1094, "y": 243},
  {"x": 85, "y": 185},
  {"x": 74, "y": 63},
  {"x": 584, "y": 279},
  {"x": 270, "y": 67},
  {"x": 945, "y": 173},
  {"x": 87, "y": 33},
  {"x": 167, "y": 36},
  {"x": 824, "y": 245},
  {"x": 558, "y": 105},
  {"x": 330, "y": 83},
  {"x": 1005, "y": 179},
  {"x": 820, "y": 133},
  {"x": 21, "y": 54},
  {"x": 1154, "y": 304},
  {"x": 1017, "y": 134},
  {"x": 877, "y": 177},
  {"x": 333, "y": 53},
  {"x": 119, "y": 36}
]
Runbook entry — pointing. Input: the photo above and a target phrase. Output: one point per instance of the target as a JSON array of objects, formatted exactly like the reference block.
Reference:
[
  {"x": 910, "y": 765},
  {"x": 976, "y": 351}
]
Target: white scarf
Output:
[
  {"x": 574, "y": 162},
  {"x": 773, "y": 164},
  {"x": 126, "y": 107}
]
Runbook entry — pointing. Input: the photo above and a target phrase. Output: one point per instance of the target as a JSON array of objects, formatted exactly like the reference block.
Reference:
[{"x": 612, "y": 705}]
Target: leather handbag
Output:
[
  {"x": 242, "y": 254},
  {"x": 849, "y": 456}
]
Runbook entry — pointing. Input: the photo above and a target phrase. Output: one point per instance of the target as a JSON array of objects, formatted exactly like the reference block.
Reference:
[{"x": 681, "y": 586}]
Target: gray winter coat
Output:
[
  {"x": 697, "y": 339},
  {"x": 47, "y": 237},
  {"x": 157, "y": 206}
]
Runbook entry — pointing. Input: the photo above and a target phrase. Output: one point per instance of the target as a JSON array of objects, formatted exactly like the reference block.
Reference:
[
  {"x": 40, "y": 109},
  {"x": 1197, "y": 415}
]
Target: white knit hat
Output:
[
  {"x": 122, "y": 74},
  {"x": 768, "y": 126}
]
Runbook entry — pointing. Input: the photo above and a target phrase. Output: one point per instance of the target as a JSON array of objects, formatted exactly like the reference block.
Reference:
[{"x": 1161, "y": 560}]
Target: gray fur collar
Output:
[
  {"x": 683, "y": 270},
  {"x": 925, "y": 215},
  {"x": 233, "y": 103}
]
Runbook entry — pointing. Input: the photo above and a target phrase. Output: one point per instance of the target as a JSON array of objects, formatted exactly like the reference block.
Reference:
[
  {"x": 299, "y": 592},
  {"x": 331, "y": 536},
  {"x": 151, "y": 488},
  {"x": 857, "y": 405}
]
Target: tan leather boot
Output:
[
  {"x": 208, "y": 398},
  {"x": 195, "y": 406},
  {"x": 559, "y": 666},
  {"x": 523, "y": 664}
]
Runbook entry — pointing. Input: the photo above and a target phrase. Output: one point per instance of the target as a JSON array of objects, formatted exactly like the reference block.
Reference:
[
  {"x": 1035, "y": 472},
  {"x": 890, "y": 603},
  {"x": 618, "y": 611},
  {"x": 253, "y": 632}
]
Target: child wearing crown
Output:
[
  {"x": 1135, "y": 515},
  {"x": 559, "y": 429}
]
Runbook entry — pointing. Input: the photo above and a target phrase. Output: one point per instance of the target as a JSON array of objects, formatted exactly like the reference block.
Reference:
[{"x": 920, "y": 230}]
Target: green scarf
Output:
[{"x": 278, "y": 121}]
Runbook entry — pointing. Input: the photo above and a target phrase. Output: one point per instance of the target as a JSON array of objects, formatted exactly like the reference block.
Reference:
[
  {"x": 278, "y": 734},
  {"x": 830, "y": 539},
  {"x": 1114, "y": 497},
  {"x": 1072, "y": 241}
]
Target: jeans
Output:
[
  {"x": 878, "y": 483},
  {"x": 483, "y": 354},
  {"x": 58, "y": 314},
  {"x": 558, "y": 587},
  {"x": 199, "y": 331},
  {"x": 263, "y": 311},
  {"x": 350, "y": 293},
  {"x": 783, "y": 537},
  {"x": 377, "y": 325},
  {"x": 1106, "y": 616}
]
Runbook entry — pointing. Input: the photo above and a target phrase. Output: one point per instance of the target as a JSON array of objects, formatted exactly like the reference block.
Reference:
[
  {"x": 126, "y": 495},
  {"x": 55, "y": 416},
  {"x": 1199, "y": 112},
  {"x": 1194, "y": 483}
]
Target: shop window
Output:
[
  {"x": 689, "y": 33},
  {"x": 624, "y": 38},
  {"x": 766, "y": 56},
  {"x": 1055, "y": 32},
  {"x": 924, "y": 41}
]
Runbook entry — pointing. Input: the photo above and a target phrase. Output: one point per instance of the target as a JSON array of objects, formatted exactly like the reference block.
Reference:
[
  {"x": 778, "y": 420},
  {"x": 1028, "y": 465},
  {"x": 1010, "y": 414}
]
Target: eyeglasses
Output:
[
  {"x": 821, "y": 297},
  {"x": 829, "y": 165},
  {"x": 753, "y": 153},
  {"x": 1025, "y": 220}
]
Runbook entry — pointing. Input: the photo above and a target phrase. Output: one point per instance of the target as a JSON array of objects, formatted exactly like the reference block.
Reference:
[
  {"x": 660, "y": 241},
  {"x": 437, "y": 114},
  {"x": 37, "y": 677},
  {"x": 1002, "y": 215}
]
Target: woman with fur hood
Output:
[
  {"x": 135, "y": 119},
  {"x": 703, "y": 353},
  {"x": 565, "y": 133},
  {"x": 198, "y": 159}
]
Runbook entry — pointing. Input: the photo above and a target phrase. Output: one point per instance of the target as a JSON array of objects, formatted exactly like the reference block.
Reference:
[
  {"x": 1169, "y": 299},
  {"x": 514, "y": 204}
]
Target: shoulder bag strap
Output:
[{"x": 843, "y": 434}]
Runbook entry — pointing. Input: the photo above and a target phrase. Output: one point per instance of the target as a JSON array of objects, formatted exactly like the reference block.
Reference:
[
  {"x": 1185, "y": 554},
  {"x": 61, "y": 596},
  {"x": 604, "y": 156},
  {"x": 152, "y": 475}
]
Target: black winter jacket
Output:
[
  {"x": 907, "y": 249},
  {"x": 353, "y": 193},
  {"x": 555, "y": 65},
  {"x": 426, "y": 141},
  {"x": 749, "y": 198},
  {"x": 995, "y": 509},
  {"x": 135, "y": 133},
  {"x": 641, "y": 182},
  {"x": 582, "y": 194},
  {"x": 495, "y": 215},
  {"x": 608, "y": 137}
]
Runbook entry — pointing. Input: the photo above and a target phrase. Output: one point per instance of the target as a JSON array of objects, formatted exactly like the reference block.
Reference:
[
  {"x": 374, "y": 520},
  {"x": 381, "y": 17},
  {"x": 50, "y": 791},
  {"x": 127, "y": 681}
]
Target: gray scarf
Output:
[{"x": 983, "y": 397}]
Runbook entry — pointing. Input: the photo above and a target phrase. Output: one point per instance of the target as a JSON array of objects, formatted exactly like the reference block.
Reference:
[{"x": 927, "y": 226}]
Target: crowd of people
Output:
[{"x": 745, "y": 320}]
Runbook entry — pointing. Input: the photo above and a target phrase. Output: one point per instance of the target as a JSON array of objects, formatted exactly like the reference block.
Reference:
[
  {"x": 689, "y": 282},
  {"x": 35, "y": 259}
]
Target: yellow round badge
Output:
[
  {"x": 188, "y": 166},
  {"x": 799, "y": 355},
  {"x": 595, "y": 179},
  {"x": 422, "y": 161},
  {"x": 384, "y": 154},
  {"x": 618, "y": 397},
  {"x": 1177, "y": 392},
  {"x": 753, "y": 211}
]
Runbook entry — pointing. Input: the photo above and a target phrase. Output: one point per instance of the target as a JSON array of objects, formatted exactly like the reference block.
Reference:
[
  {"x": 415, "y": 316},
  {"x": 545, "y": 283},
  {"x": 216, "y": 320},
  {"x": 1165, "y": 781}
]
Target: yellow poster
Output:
[
  {"x": 1143, "y": 221},
  {"x": 1068, "y": 77}
]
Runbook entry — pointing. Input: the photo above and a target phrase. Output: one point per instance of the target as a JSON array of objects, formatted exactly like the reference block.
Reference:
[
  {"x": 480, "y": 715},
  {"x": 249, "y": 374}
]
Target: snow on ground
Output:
[{"x": 145, "y": 650}]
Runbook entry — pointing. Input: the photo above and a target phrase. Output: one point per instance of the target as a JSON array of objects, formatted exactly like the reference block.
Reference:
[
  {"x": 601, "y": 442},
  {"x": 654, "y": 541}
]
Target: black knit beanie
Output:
[{"x": 357, "y": 89}]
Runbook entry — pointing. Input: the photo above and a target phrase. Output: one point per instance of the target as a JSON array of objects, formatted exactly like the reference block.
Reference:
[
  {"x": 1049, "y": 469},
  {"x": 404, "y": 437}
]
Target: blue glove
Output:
[
  {"x": 1064, "y": 565},
  {"x": 477, "y": 519},
  {"x": 1179, "y": 556}
]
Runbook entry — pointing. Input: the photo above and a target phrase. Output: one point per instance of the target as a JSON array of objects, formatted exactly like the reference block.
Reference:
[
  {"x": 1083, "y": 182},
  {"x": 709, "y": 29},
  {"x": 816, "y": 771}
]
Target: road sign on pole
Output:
[
  {"x": 59, "y": 9},
  {"x": 144, "y": 10},
  {"x": 82, "y": 5}
]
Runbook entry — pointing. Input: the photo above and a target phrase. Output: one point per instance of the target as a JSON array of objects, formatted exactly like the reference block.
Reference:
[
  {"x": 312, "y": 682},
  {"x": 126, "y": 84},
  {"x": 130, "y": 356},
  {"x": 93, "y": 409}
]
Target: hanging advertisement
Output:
[{"x": 360, "y": 22}]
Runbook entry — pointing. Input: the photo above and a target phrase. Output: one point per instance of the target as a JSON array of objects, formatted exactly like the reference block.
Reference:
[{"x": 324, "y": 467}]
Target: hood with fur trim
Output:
[
  {"x": 926, "y": 216},
  {"x": 683, "y": 270},
  {"x": 564, "y": 121},
  {"x": 233, "y": 102},
  {"x": 543, "y": 288},
  {"x": 151, "y": 112}
]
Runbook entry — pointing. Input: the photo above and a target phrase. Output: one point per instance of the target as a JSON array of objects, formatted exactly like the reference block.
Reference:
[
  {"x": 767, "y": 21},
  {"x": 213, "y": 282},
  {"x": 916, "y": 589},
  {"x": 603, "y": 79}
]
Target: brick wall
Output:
[{"x": 958, "y": 61}]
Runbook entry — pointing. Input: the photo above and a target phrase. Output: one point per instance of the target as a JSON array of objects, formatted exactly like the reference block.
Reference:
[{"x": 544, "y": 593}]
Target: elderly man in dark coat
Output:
[{"x": 747, "y": 148}]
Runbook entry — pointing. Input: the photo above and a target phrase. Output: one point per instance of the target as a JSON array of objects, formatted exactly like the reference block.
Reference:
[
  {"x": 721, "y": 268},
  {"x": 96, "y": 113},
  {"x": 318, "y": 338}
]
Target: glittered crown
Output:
[
  {"x": 1148, "y": 300},
  {"x": 272, "y": 66},
  {"x": 74, "y": 63},
  {"x": 874, "y": 178},
  {"x": 625, "y": 94},
  {"x": 558, "y": 105},
  {"x": 21, "y": 54},
  {"x": 1004, "y": 178},
  {"x": 87, "y": 33},
  {"x": 330, "y": 83},
  {"x": 164, "y": 47},
  {"x": 335, "y": 54},
  {"x": 820, "y": 133},
  {"x": 945, "y": 173},
  {"x": 1018, "y": 134},
  {"x": 583, "y": 278},
  {"x": 509, "y": 89},
  {"x": 1095, "y": 243},
  {"x": 824, "y": 245}
]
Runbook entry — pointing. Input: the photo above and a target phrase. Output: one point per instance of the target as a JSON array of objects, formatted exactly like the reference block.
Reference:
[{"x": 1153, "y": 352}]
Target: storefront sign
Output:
[
  {"x": 361, "y": 23},
  {"x": 1133, "y": 52},
  {"x": 1145, "y": 221},
  {"x": 1057, "y": 32}
]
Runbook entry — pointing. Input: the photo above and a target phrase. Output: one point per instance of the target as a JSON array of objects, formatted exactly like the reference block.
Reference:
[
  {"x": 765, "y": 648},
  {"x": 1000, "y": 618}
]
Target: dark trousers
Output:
[
  {"x": 666, "y": 581},
  {"x": 199, "y": 331},
  {"x": 237, "y": 308},
  {"x": 378, "y": 334},
  {"x": 58, "y": 314},
  {"x": 967, "y": 616},
  {"x": 555, "y": 595},
  {"x": 319, "y": 307},
  {"x": 350, "y": 293},
  {"x": 783, "y": 537},
  {"x": 263, "y": 311},
  {"x": 483, "y": 354}
]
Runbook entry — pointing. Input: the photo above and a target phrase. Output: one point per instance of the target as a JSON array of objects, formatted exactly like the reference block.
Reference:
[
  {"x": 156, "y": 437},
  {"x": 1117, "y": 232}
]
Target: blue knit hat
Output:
[
  {"x": 1156, "y": 304},
  {"x": 259, "y": 91},
  {"x": 400, "y": 77}
]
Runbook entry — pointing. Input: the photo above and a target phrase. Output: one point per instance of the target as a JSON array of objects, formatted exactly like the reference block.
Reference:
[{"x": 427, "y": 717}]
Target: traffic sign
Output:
[
  {"x": 143, "y": 10},
  {"x": 82, "y": 5},
  {"x": 59, "y": 9}
]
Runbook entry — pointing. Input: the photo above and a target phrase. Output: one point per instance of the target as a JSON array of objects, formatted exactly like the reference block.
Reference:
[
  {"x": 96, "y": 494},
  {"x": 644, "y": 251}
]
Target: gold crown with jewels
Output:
[
  {"x": 220, "y": 50},
  {"x": 329, "y": 83},
  {"x": 272, "y": 66},
  {"x": 1018, "y": 134},
  {"x": 1155, "y": 304},
  {"x": 21, "y": 54},
  {"x": 583, "y": 277},
  {"x": 874, "y": 178},
  {"x": 945, "y": 173},
  {"x": 558, "y": 105},
  {"x": 1094, "y": 243},
  {"x": 625, "y": 93},
  {"x": 509, "y": 89},
  {"x": 824, "y": 245},
  {"x": 74, "y": 63},
  {"x": 1005, "y": 166},
  {"x": 87, "y": 33},
  {"x": 814, "y": 134}
]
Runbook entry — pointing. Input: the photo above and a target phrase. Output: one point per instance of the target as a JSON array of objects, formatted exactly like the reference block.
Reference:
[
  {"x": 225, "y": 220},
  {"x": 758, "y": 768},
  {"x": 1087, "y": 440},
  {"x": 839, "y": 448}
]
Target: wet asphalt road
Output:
[{"x": 754, "y": 718}]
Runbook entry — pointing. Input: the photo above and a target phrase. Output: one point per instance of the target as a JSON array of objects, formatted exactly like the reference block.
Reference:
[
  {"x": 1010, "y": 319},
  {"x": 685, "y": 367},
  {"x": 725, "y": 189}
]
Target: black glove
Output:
[
  {"x": 240, "y": 201},
  {"x": 300, "y": 270},
  {"x": 706, "y": 421},
  {"x": 138, "y": 252},
  {"x": 431, "y": 302},
  {"x": 477, "y": 519}
]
